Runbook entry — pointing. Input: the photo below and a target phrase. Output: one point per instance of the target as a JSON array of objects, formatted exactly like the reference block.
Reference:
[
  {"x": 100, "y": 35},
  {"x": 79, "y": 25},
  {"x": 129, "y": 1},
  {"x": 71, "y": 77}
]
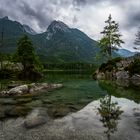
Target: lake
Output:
[{"x": 83, "y": 109}]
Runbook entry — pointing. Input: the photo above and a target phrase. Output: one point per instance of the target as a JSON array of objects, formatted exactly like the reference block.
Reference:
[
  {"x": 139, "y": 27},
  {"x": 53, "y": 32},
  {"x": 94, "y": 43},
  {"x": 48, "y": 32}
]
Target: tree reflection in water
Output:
[{"x": 110, "y": 114}]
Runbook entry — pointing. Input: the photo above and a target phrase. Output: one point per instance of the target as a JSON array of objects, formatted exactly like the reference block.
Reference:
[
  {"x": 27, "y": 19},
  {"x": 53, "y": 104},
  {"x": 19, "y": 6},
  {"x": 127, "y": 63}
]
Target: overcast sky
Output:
[{"x": 86, "y": 15}]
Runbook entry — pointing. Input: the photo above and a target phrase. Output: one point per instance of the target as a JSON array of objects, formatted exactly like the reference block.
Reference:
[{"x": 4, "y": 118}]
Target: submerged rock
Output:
[
  {"x": 59, "y": 111},
  {"x": 17, "y": 111},
  {"x": 35, "y": 118},
  {"x": 2, "y": 114}
]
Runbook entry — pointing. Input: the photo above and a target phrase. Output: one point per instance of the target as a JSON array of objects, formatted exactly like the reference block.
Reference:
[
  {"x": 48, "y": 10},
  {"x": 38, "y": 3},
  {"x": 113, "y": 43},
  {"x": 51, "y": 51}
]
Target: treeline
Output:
[{"x": 70, "y": 66}]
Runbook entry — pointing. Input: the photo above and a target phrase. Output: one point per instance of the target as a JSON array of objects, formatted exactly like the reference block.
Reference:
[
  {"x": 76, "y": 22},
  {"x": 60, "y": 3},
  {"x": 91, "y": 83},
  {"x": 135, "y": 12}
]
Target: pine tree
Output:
[
  {"x": 137, "y": 40},
  {"x": 26, "y": 54},
  {"x": 111, "y": 38}
]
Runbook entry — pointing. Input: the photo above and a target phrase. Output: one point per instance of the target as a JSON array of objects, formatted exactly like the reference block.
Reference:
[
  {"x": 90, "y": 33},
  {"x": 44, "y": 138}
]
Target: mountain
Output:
[
  {"x": 58, "y": 44},
  {"x": 125, "y": 53},
  {"x": 65, "y": 44},
  {"x": 10, "y": 32},
  {"x": 29, "y": 30}
]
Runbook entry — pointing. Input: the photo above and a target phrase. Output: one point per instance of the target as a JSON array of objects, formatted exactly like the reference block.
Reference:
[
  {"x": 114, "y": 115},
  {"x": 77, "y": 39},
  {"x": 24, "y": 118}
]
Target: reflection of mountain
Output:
[
  {"x": 127, "y": 91},
  {"x": 110, "y": 114}
]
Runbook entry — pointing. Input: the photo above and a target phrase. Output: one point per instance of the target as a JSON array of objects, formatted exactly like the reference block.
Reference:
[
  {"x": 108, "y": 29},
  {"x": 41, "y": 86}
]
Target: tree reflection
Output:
[{"x": 110, "y": 114}]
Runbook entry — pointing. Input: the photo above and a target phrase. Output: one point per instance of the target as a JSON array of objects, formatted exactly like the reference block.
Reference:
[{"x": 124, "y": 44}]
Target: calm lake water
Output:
[{"x": 83, "y": 109}]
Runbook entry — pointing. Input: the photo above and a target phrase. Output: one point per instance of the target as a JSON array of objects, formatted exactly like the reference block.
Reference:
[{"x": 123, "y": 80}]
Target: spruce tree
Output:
[
  {"x": 111, "y": 38},
  {"x": 25, "y": 54}
]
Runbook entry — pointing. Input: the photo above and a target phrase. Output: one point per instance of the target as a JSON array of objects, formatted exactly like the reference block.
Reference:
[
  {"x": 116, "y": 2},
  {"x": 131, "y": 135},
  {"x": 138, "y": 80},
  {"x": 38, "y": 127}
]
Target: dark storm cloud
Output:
[
  {"x": 133, "y": 19},
  {"x": 87, "y": 15},
  {"x": 42, "y": 18},
  {"x": 79, "y": 2},
  {"x": 2, "y": 13},
  {"x": 28, "y": 12}
]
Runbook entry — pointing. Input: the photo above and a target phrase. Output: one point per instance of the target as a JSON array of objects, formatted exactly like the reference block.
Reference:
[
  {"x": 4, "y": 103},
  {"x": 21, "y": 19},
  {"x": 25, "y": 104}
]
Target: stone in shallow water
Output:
[
  {"x": 34, "y": 103},
  {"x": 73, "y": 107},
  {"x": 35, "y": 118},
  {"x": 24, "y": 100},
  {"x": 7, "y": 101},
  {"x": 35, "y": 121},
  {"x": 2, "y": 114},
  {"x": 58, "y": 112},
  {"x": 46, "y": 101},
  {"x": 17, "y": 111}
]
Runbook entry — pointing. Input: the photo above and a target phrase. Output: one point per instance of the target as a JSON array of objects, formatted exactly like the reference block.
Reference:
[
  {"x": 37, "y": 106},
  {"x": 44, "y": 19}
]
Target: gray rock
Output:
[
  {"x": 122, "y": 75},
  {"x": 43, "y": 86},
  {"x": 32, "y": 88},
  {"x": 55, "y": 86},
  {"x": 18, "y": 90},
  {"x": 33, "y": 122},
  {"x": 135, "y": 77},
  {"x": 101, "y": 76},
  {"x": 135, "y": 80},
  {"x": 35, "y": 118}
]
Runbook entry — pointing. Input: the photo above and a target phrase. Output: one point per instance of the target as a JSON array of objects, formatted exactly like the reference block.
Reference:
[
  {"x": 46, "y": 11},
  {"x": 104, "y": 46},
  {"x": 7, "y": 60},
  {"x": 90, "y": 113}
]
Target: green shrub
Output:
[
  {"x": 109, "y": 65},
  {"x": 134, "y": 67}
]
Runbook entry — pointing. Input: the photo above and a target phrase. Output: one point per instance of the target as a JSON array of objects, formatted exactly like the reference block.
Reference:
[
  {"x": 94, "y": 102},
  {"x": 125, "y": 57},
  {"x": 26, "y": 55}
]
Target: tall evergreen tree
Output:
[
  {"x": 26, "y": 54},
  {"x": 111, "y": 38},
  {"x": 137, "y": 40}
]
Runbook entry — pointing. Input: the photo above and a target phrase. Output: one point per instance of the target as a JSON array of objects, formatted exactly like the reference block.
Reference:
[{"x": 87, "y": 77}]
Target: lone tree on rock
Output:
[
  {"x": 111, "y": 38},
  {"x": 137, "y": 40}
]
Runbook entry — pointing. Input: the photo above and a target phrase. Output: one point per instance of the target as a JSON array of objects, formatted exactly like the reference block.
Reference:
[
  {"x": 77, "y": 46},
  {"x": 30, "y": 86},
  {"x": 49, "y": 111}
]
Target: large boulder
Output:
[
  {"x": 135, "y": 77},
  {"x": 18, "y": 90},
  {"x": 122, "y": 75},
  {"x": 135, "y": 80}
]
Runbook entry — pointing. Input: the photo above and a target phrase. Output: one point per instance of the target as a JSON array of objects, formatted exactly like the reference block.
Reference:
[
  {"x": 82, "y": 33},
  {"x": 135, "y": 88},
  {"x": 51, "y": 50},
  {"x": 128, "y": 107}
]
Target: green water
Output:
[
  {"x": 78, "y": 91},
  {"x": 82, "y": 109}
]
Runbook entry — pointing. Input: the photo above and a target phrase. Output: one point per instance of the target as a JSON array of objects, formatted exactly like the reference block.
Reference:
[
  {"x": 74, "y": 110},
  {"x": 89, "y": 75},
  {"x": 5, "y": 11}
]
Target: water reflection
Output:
[
  {"x": 110, "y": 114},
  {"x": 117, "y": 89}
]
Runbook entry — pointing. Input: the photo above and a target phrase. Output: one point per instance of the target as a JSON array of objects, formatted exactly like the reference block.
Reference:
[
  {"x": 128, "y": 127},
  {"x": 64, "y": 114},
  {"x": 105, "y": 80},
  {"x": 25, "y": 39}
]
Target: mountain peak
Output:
[
  {"x": 5, "y": 18},
  {"x": 29, "y": 29},
  {"x": 56, "y": 26}
]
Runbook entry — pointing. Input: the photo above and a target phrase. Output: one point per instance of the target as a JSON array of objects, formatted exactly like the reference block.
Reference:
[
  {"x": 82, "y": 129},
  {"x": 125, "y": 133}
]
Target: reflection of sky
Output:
[
  {"x": 89, "y": 118},
  {"x": 126, "y": 105}
]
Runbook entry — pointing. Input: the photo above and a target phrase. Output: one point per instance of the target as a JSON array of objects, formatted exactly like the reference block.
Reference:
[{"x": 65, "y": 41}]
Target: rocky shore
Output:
[
  {"x": 119, "y": 69},
  {"x": 30, "y": 89}
]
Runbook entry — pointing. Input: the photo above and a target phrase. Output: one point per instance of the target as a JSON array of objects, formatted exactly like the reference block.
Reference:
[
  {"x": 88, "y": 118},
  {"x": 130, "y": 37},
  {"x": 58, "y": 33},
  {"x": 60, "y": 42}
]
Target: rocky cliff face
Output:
[{"x": 120, "y": 68}]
